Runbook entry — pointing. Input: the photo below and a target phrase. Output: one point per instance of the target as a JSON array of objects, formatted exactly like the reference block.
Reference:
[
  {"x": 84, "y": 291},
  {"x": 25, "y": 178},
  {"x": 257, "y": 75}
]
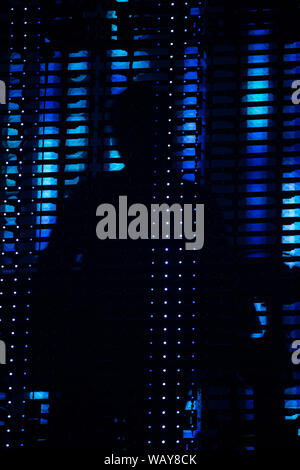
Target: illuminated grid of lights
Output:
[
  {"x": 59, "y": 142},
  {"x": 173, "y": 307},
  {"x": 290, "y": 212},
  {"x": 16, "y": 241},
  {"x": 259, "y": 187}
]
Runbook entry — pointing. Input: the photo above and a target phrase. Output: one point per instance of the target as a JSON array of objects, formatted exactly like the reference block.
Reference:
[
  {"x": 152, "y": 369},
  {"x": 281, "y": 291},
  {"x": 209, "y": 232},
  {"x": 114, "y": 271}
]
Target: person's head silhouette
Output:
[{"x": 140, "y": 118}]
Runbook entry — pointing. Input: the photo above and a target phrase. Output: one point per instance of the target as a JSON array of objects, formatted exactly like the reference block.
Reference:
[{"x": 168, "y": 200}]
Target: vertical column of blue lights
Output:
[
  {"x": 259, "y": 126},
  {"x": 49, "y": 136},
  {"x": 290, "y": 208},
  {"x": 258, "y": 107},
  {"x": 192, "y": 114}
]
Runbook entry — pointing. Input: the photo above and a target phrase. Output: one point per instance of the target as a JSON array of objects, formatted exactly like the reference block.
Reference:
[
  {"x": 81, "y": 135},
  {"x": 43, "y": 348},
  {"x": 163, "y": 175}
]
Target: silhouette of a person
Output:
[{"x": 92, "y": 298}]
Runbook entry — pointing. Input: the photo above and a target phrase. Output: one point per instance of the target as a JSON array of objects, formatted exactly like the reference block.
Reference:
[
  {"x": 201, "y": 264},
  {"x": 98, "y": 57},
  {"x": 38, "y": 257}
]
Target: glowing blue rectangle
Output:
[
  {"x": 291, "y": 57},
  {"x": 77, "y": 91},
  {"x": 260, "y": 307},
  {"x": 254, "y": 85},
  {"x": 256, "y": 187},
  {"x": 258, "y": 174},
  {"x": 187, "y": 113},
  {"x": 191, "y": 50},
  {"x": 292, "y": 227},
  {"x": 38, "y": 395},
  {"x": 47, "y": 156},
  {"x": 78, "y": 104},
  {"x": 190, "y": 152},
  {"x": 47, "y": 193},
  {"x": 112, "y": 154},
  {"x": 45, "y": 206},
  {"x": 48, "y": 130},
  {"x": 118, "y": 78},
  {"x": 117, "y": 90},
  {"x": 257, "y": 135},
  {"x": 256, "y": 213},
  {"x": 15, "y": 93},
  {"x": 77, "y": 117},
  {"x": 45, "y": 168},
  {"x": 187, "y": 139},
  {"x": 257, "y": 148},
  {"x": 256, "y": 227},
  {"x": 259, "y": 47},
  {"x": 258, "y": 71},
  {"x": 292, "y": 200},
  {"x": 258, "y": 122},
  {"x": 50, "y": 92},
  {"x": 120, "y": 65},
  {"x": 78, "y": 130},
  {"x": 188, "y": 164},
  {"x": 48, "y": 143},
  {"x": 190, "y": 101},
  {"x": 258, "y": 110},
  {"x": 259, "y": 32},
  {"x": 49, "y": 117},
  {"x": 290, "y": 213},
  {"x": 117, "y": 53},
  {"x": 292, "y": 174},
  {"x": 9, "y": 247},
  {"x": 76, "y": 142},
  {"x": 191, "y": 62},
  {"x": 45, "y": 233},
  {"x": 111, "y": 14},
  {"x": 292, "y": 404},
  {"x": 12, "y": 131},
  {"x": 190, "y": 88},
  {"x": 45, "y": 219},
  {"x": 79, "y": 54},
  {"x": 290, "y": 239},
  {"x": 256, "y": 200},
  {"x": 75, "y": 167},
  {"x": 291, "y": 187},
  {"x": 190, "y": 75},
  {"x": 80, "y": 155},
  {"x": 49, "y": 104},
  {"x": 256, "y": 59},
  {"x": 45, "y": 408},
  {"x": 258, "y": 97},
  {"x": 16, "y": 67},
  {"x": 40, "y": 246},
  {"x": 113, "y": 166},
  {"x": 78, "y": 66},
  {"x": 141, "y": 64},
  {"x": 263, "y": 240},
  {"x": 257, "y": 161}
]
